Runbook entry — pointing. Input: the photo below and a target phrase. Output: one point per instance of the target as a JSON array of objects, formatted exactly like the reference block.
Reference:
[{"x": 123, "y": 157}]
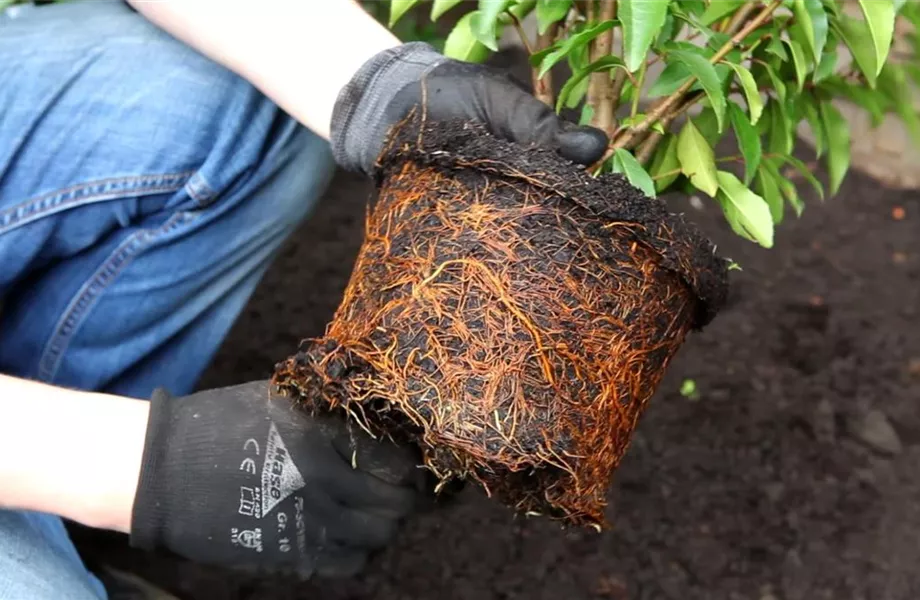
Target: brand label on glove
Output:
[{"x": 280, "y": 476}]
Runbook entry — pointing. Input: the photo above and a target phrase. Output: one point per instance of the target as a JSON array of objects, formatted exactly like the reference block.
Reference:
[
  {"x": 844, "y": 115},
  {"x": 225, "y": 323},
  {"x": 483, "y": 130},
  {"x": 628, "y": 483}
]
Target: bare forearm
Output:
[
  {"x": 298, "y": 53},
  {"x": 71, "y": 453}
]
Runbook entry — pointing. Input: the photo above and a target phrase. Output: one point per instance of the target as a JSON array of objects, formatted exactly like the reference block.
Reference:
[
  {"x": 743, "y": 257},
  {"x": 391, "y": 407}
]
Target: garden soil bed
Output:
[{"x": 792, "y": 476}]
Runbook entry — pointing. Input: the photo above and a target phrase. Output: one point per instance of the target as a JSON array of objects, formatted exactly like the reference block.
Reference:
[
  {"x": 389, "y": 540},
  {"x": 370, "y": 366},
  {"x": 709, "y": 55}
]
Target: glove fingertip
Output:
[{"x": 583, "y": 144}]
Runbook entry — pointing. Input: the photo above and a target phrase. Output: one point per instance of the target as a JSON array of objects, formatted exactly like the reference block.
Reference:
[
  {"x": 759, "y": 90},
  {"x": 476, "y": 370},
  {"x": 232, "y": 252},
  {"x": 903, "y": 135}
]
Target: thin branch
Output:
[
  {"x": 600, "y": 86},
  {"x": 543, "y": 86},
  {"x": 521, "y": 33},
  {"x": 739, "y": 18},
  {"x": 674, "y": 99},
  {"x": 650, "y": 143}
]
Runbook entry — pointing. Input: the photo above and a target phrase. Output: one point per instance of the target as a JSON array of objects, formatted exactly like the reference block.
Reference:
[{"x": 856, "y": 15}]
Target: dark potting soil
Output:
[{"x": 791, "y": 476}]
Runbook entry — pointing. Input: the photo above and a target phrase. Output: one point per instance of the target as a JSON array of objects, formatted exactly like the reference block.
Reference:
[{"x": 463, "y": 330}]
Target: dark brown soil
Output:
[{"x": 764, "y": 487}]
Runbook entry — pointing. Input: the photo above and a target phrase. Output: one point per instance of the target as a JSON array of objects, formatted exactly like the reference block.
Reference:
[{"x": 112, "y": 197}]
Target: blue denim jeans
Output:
[{"x": 144, "y": 190}]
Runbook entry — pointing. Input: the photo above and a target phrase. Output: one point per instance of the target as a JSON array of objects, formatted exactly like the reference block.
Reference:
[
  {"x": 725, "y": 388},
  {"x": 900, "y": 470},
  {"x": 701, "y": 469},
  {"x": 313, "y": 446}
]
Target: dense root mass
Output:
[{"x": 510, "y": 314}]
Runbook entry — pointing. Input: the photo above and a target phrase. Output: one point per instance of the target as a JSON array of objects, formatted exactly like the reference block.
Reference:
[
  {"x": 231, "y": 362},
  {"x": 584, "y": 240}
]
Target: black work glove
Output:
[
  {"x": 238, "y": 477},
  {"x": 389, "y": 85}
]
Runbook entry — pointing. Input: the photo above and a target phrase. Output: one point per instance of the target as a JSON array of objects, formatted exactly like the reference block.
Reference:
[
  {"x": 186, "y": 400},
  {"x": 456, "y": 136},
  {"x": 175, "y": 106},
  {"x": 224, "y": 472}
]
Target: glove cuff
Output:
[
  {"x": 147, "y": 515},
  {"x": 356, "y": 130}
]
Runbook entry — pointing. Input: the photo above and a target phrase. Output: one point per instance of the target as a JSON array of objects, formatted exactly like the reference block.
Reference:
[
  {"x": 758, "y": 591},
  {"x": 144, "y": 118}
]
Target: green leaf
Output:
[
  {"x": 669, "y": 31},
  {"x": 803, "y": 169},
  {"x": 777, "y": 49},
  {"x": 879, "y": 16},
  {"x": 703, "y": 70},
  {"x": 587, "y": 113},
  {"x": 780, "y": 134},
  {"x": 870, "y": 100},
  {"x": 810, "y": 108},
  {"x": 893, "y": 84},
  {"x": 485, "y": 22},
  {"x": 798, "y": 60},
  {"x": 838, "y": 139},
  {"x": 439, "y": 7},
  {"x": 718, "y": 9},
  {"x": 665, "y": 167},
  {"x": 633, "y": 120},
  {"x": 671, "y": 78},
  {"x": 642, "y": 20},
  {"x": 562, "y": 49},
  {"x": 624, "y": 162},
  {"x": 786, "y": 186},
  {"x": 746, "y": 212},
  {"x": 601, "y": 64},
  {"x": 811, "y": 17},
  {"x": 551, "y": 11},
  {"x": 825, "y": 67},
  {"x": 751, "y": 93},
  {"x": 697, "y": 160},
  {"x": 708, "y": 126},
  {"x": 461, "y": 44},
  {"x": 518, "y": 8},
  {"x": 398, "y": 8},
  {"x": 855, "y": 34},
  {"x": 778, "y": 84},
  {"x": 748, "y": 140},
  {"x": 768, "y": 189}
]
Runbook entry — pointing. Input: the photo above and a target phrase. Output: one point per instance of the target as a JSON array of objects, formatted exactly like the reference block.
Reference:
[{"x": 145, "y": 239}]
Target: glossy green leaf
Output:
[
  {"x": 803, "y": 169},
  {"x": 780, "y": 138},
  {"x": 798, "y": 60},
  {"x": 893, "y": 84},
  {"x": 717, "y": 9},
  {"x": 870, "y": 100},
  {"x": 788, "y": 189},
  {"x": 879, "y": 15},
  {"x": 665, "y": 167},
  {"x": 838, "y": 148},
  {"x": 642, "y": 20},
  {"x": 624, "y": 162},
  {"x": 461, "y": 44},
  {"x": 778, "y": 85},
  {"x": 562, "y": 49},
  {"x": 398, "y": 8},
  {"x": 633, "y": 120},
  {"x": 751, "y": 93},
  {"x": 765, "y": 185},
  {"x": 551, "y": 11},
  {"x": 604, "y": 63},
  {"x": 669, "y": 30},
  {"x": 697, "y": 160},
  {"x": 776, "y": 48},
  {"x": 746, "y": 212},
  {"x": 812, "y": 18},
  {"x": 485, "y": 23},
  {"x": 856, "y": 35},
  {"x": 748, "y": 140},
  {"x": 810, "y": 109},
  {"x": 439, "y": 7},
  {"x": 518, "y": 8},
  {"x": 671, "y": 78},
  {"x": 708, "y": 126},
  {"x": 709, "y": 79},
  {"x": 825, "y": 67}
]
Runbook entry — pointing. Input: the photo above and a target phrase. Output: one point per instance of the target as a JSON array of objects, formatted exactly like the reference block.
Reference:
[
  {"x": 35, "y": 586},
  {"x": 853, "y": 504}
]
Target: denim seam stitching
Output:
[
  {"x": 70, "y": 197},
  {"x": 69, "y": 322}
]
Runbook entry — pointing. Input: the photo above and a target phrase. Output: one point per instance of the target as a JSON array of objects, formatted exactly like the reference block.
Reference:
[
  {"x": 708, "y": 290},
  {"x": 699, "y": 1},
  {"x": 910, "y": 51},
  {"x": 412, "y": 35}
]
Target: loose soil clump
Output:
[{"x": 509, "y": 313}]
